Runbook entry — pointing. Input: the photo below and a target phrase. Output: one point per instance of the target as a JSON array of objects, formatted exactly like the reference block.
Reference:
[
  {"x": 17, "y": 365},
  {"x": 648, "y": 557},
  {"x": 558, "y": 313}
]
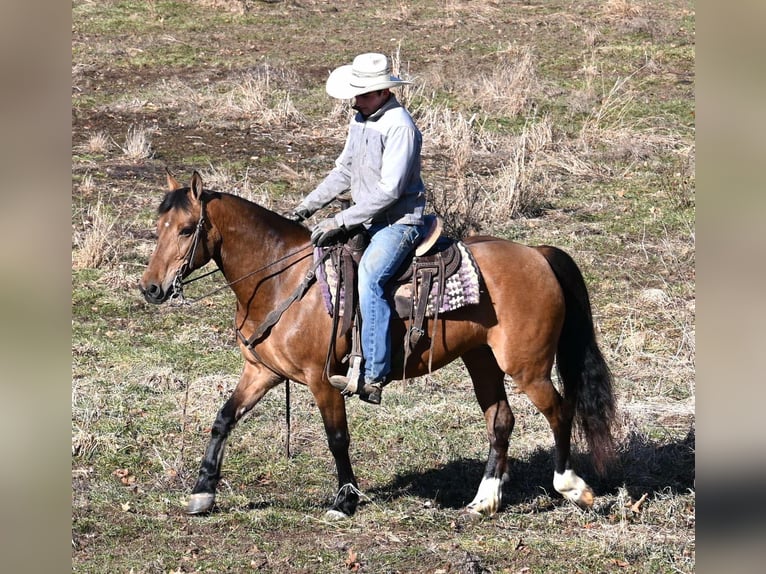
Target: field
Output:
[{"x": 544, "y": 122}]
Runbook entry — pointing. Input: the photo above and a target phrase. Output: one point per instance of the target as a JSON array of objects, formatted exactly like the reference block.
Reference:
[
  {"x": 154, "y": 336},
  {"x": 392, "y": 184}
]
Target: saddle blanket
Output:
[{"x": 461, "y": 288}]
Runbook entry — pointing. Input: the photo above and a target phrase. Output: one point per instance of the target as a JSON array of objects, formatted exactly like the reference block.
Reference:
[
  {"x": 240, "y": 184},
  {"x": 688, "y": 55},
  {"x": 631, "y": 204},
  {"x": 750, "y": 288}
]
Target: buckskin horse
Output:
[{"x": 534, "y": 310}]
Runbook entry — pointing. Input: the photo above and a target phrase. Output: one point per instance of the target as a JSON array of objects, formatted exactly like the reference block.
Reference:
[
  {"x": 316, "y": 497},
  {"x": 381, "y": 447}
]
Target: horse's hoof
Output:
[
  {"x": 200, "y": 502},
  {"x": 333, "y": 515},
  {"x": 573, "y": 488},
  {"x": 469, "y": 514},
  {"x": 586, "y": 498}
]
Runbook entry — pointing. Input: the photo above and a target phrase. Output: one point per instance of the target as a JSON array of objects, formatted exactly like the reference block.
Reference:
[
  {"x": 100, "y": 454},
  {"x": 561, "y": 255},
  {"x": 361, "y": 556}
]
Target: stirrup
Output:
[
  {"x": 354, "y": 384},
  {"x": 346, "y": 385},
  {"x": 368, "y": 392},
  {"x": 371, "y": 393},
  {"x": 349, "y": 384}
]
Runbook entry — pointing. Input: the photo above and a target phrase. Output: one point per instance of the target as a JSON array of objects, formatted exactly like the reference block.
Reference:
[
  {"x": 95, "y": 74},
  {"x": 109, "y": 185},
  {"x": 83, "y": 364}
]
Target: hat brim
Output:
[{"x": 339, "y": 84}]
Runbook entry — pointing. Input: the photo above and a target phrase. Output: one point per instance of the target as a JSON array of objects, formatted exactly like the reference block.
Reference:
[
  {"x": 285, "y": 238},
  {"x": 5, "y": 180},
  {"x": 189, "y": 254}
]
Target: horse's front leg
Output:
[
  {"x": 255, "y": 382},
  {"x": 332, "y": 406}
]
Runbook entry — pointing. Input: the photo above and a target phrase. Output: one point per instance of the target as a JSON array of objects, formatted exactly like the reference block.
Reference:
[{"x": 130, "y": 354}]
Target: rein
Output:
[
  {"x": 275, "y": 314},
  {"x": 178, "y": 298},
  {"x": 179, "y": 283}
]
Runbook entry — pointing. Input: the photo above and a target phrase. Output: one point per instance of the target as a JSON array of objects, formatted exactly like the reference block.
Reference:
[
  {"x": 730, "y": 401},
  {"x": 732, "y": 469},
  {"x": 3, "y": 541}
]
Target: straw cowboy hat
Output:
[{"x": 368, "y": 73}]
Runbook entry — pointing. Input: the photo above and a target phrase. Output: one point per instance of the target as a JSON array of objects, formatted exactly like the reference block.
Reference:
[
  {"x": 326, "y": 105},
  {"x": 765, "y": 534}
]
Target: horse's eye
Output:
[{"x": 186, "y": 231}]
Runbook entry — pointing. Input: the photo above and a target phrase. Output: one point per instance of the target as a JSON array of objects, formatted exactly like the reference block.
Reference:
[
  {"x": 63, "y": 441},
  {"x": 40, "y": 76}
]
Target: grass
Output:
[{"x": 541, "y": 123}]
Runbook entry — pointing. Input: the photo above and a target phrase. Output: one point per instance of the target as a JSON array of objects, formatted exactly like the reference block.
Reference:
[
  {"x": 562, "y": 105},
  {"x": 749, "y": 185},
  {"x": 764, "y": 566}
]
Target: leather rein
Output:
[{"x": 178, "y": 298}]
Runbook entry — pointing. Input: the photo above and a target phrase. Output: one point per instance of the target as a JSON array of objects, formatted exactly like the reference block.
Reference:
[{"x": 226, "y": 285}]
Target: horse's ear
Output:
[
  {"x": 172, "y": 182},
  {"x": 196, "y": 185}
]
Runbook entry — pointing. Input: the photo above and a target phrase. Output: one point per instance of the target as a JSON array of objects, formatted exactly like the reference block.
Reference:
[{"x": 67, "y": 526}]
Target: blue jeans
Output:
[{"x": 389, "y": 247}]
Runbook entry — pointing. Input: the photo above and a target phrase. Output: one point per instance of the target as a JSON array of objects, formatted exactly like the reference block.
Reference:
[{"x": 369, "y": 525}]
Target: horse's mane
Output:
[{"x": 179, "y": 199}]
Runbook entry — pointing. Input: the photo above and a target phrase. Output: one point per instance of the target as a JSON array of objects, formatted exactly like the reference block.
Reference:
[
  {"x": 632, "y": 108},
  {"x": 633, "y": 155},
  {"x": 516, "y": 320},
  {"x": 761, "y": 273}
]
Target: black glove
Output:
[
  {"x": 300, "y": 214},
  {"x": 327, "y": 232}
]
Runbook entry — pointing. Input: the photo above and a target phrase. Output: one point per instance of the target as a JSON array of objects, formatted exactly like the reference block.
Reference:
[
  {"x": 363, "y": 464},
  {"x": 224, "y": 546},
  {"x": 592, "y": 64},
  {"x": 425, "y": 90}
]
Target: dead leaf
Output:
[
  {"x": 351, "y": 561},
  {"x": 636, "y": 506},
  {"x": 125, "y": 476},
  {"x": 620, "y": 563}
]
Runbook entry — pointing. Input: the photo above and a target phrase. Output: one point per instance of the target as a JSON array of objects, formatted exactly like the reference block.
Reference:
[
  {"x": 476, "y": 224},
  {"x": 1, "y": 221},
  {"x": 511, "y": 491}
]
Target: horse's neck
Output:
[{"x": 252, "y": 252}]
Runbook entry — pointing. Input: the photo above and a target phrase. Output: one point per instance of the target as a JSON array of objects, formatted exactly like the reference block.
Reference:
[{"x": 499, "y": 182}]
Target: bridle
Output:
[{"x": 178, "y": 299}]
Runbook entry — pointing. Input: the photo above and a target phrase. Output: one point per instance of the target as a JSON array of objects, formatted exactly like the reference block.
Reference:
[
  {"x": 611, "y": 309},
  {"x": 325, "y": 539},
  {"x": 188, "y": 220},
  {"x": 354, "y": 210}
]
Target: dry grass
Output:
[
  {"x": 95, "y": 242},
  {"x": 460, "y": 202},
  {"x": 98, "y": 143},
  {"x": 407, "y": 93},
  {"x": 138, "y": 143},
  {"x": 622, "y": 9},
  {"x": 508, "y": 88},
  {"x": 259, "y": 97},
  {"x": 253, "y": 97},
  {"x": 222, "y": 178},
  {"x": 522, "y": 187},
  {"x": 564, "y": 136},
  {"x": 87, "y": 185}
]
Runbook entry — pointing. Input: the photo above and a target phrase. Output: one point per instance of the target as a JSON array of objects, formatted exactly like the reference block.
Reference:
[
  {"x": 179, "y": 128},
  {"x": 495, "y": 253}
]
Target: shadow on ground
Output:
[{"x": 642, "y": 466}]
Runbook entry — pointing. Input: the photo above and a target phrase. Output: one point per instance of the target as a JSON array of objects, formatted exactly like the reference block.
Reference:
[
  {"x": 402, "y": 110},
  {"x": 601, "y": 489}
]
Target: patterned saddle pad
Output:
[{"x": 461, "y": 288}]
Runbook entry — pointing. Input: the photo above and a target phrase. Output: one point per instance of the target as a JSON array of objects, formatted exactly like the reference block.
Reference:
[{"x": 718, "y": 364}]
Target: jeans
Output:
[{"x": 389, "y": 247}]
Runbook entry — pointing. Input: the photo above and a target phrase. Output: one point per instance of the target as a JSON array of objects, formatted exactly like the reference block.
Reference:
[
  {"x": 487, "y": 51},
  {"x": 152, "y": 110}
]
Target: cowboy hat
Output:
[{"x": 368, "y": 72}]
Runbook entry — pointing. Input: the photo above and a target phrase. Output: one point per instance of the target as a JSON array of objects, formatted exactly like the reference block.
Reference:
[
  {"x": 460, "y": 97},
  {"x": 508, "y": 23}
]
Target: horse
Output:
[{"x": 534, "y": 310}]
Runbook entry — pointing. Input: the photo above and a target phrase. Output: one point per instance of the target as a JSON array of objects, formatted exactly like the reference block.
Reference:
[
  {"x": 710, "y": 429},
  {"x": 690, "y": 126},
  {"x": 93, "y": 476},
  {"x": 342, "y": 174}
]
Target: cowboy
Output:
[{"x": 380, "y": 165}]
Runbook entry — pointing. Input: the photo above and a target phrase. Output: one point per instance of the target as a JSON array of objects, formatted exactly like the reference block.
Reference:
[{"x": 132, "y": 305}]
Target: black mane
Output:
[{"x": 179, "y": 199}]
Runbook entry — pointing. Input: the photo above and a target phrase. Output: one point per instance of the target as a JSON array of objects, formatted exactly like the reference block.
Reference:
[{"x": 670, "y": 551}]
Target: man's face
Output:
[{"x": 368, "y": 104}]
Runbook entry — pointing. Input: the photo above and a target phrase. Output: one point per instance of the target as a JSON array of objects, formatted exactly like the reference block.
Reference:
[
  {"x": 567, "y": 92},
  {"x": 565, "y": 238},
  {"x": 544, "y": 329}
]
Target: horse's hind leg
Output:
[
  {"x": 255, "y": 382},
  {"x": 488, "y": 384},
  {"x": 560, "y": 413}
]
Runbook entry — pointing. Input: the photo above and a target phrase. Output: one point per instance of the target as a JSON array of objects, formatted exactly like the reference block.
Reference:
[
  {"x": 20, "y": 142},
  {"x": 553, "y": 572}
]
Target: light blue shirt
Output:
[{"x": 380, "y": 165}]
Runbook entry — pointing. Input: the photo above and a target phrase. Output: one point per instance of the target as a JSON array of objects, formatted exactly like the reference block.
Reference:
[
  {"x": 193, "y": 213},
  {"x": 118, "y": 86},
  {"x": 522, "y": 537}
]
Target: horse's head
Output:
[{"x": 182, "y": 241}]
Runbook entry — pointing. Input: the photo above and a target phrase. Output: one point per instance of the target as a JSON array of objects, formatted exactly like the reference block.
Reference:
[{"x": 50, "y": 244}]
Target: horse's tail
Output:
[{"x": 581, "y": 367}]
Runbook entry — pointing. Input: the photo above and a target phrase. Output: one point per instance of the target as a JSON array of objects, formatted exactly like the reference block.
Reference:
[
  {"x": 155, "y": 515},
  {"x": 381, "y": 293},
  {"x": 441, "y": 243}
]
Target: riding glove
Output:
[
  {"x": 327, "y": 232},
  {"x": 300, "y": 214}
]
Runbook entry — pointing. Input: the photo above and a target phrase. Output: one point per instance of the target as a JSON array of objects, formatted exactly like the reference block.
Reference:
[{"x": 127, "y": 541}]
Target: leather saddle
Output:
[{"x": 420, "y": 287}]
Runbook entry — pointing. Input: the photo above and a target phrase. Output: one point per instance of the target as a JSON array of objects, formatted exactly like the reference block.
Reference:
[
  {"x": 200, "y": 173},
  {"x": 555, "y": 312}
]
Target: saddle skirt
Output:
[{"x": 448, "y": 271}]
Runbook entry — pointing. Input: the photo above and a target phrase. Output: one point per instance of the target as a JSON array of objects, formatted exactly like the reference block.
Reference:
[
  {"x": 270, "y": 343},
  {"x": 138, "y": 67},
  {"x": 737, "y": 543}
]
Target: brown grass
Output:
[
  {"x": 95, "y": 241},
  {"x": 508, "y": 88},
  {"x": 622, "y": 9},
  {"x": 522, "y": 187},
  {"x": 138, "y": 143}
]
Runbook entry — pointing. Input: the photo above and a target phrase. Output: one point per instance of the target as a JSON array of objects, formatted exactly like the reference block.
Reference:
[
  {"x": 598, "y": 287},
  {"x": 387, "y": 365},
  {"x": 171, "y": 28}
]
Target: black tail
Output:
[{"x": 580, "y": 364}]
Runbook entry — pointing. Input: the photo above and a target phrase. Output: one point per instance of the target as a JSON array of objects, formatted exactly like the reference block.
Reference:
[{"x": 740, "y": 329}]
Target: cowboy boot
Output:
[{"x": 354, "y": 383}]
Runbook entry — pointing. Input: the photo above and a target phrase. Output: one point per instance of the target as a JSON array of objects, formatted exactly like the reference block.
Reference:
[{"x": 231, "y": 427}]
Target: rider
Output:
[{"x": 380, "y": 165}]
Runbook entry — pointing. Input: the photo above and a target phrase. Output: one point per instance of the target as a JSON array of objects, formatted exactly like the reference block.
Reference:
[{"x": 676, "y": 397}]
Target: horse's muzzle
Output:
[{"x": 154, "y": 293}]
